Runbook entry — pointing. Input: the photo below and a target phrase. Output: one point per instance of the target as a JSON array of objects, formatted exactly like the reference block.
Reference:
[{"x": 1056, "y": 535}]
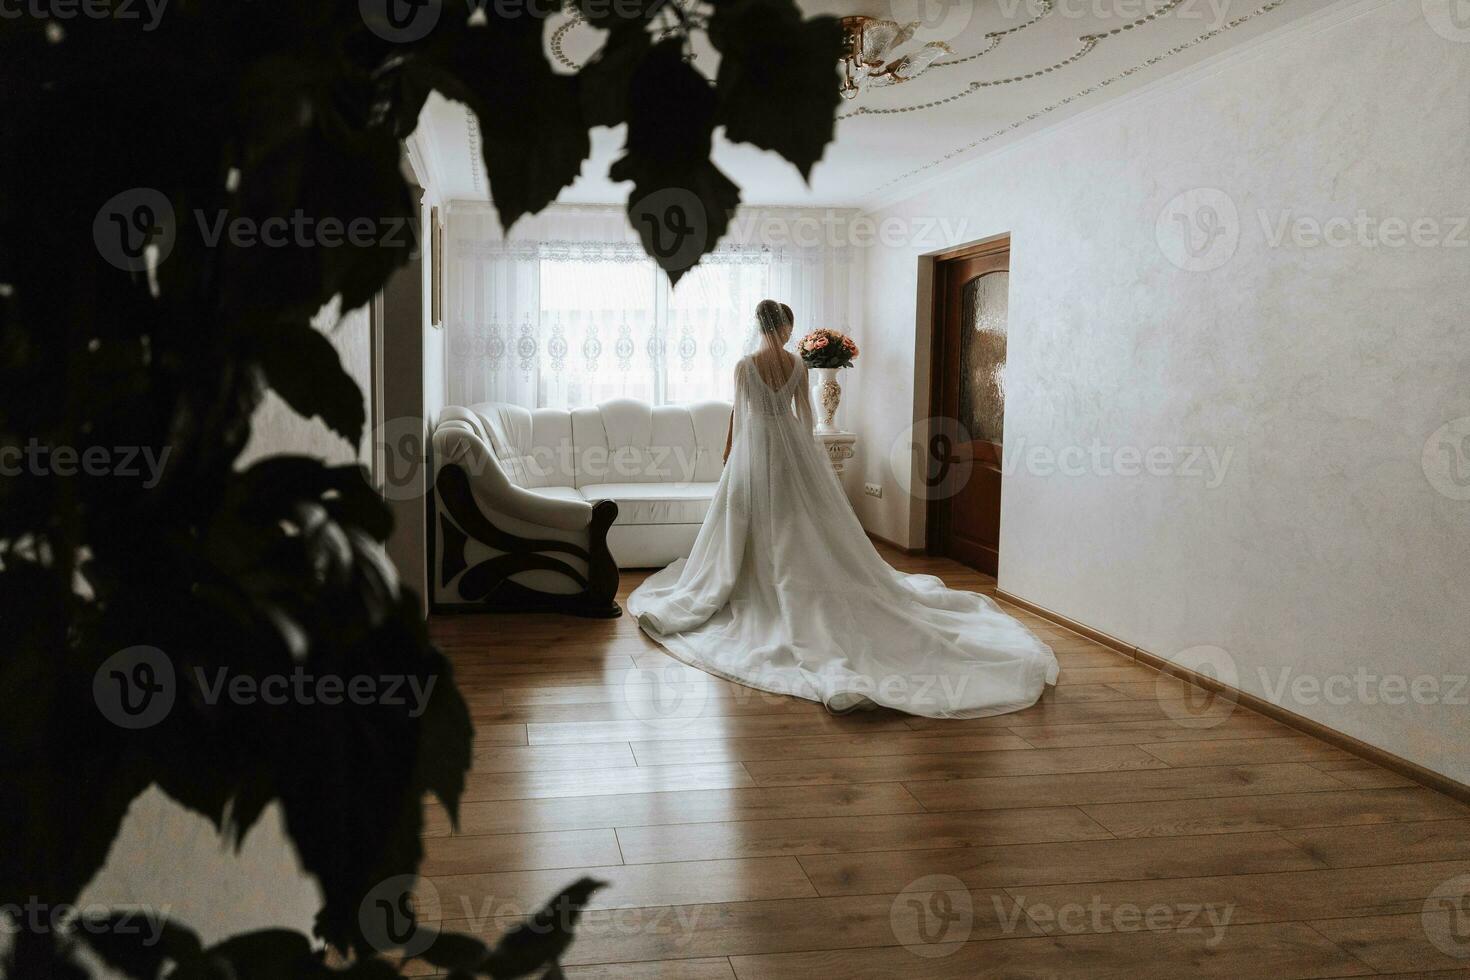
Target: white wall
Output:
[
  {"x": 434, "y": 388},
  {"x": 1324, "y": 550},
  {"x": 434, "y": 366}
]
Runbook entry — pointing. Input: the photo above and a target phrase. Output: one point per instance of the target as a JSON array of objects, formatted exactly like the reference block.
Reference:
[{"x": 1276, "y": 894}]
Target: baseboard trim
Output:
[
  {"x": 894, "y": 544},
  {"x": 1438, "y": 782},
  {"x": 1096, "y": 636}
]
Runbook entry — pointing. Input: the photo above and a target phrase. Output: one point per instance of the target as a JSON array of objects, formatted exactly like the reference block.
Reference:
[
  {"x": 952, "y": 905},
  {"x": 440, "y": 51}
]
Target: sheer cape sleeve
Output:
[
  {"x": 803, "y": 397},
  {"x": 737, "y": 408}
]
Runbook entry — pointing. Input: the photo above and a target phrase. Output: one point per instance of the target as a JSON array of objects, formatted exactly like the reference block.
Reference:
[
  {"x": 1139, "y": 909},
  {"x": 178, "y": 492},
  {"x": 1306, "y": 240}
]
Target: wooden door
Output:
[{"x": 971, "y": 300}]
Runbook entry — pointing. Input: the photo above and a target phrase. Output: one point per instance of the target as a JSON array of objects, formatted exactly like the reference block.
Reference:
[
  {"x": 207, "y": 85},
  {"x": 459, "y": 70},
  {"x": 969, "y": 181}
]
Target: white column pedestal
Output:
[{"x": 839, "y": 446}]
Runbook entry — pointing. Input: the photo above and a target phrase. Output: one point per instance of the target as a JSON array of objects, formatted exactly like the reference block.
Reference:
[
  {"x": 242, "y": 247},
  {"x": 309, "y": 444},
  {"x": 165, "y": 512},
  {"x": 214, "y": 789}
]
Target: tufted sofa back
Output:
[
  {"x": 621, "y": 441},
  {"x": 626, "y": 441},
  {"x": 533, "y": 448}
]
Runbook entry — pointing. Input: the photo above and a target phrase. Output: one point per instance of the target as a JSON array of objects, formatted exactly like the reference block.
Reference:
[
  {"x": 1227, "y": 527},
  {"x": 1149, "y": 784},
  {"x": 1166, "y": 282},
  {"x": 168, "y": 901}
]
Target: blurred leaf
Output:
[
  {"x": 445, "y": 750},
  {"x": 778, "y": 79},
  {"x": 303, "y": 367},
  {"x": 533, "y": 138},
  {"x": 126, "y": 943},
  {"x": 681, "y": 203},
  {"x": 227, "y": 122},
  {"x": 627, "y": 15},
  {"x": 269, "y": 954},
  {"x": 35, "y": 954},
  {"x": 452, "y": 951},
  {"x": 604, "y": 83},
  {"x": 540, "y": 942}
]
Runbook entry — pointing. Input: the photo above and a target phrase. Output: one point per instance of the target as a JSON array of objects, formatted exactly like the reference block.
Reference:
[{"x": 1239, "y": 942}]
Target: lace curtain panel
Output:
[{"x": 585, "y": 316}]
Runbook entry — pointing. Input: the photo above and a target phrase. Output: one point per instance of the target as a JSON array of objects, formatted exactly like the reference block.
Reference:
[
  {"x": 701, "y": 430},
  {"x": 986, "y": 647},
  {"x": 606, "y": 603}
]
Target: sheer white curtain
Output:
[{"x": 569, "y": 311}]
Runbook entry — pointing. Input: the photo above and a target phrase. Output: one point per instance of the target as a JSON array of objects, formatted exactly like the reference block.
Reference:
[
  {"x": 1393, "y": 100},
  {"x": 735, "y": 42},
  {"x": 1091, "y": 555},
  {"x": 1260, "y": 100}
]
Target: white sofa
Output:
[{"x": 538, "y": 509}]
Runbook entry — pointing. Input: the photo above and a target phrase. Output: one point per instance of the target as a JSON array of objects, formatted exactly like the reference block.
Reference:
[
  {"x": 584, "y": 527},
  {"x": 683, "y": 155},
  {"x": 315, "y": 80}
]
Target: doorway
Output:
[{"x": 971, "y": 306}]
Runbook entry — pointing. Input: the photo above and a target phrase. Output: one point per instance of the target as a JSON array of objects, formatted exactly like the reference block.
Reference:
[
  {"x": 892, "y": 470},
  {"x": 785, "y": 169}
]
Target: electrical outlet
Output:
[{"x": 873, "y": 490}]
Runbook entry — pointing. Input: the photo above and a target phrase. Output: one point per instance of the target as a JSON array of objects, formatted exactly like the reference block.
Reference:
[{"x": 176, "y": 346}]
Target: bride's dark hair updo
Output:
[{"x": 772, "y": 316}]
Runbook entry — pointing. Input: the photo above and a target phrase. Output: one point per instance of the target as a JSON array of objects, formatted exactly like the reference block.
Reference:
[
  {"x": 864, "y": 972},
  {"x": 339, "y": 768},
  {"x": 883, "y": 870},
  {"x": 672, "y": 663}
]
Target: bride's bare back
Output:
[
  {"x": 775, "y": 369},
  {"x": 772, "y": 362}
]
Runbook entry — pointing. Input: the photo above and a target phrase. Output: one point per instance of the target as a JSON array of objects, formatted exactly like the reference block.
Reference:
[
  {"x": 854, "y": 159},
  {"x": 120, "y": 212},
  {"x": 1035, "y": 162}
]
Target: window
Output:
[
  {"x": 618, "y": 330},
  {"x": 562, "y": 324}
]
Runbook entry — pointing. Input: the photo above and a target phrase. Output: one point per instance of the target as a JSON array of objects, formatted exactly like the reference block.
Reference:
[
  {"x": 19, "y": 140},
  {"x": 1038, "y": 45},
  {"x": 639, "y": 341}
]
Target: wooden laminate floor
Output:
[{"x": 1121, "y": 828}]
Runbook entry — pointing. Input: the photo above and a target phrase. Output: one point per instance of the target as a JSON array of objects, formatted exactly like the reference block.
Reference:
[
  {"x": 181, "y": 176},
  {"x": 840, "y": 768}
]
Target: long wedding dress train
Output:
[{"x": 784, "y": 592}]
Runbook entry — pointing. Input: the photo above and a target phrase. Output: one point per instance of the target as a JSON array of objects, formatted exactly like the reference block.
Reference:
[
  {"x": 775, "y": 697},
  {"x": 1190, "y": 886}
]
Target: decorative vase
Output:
[{"x": 828, "y": 394}]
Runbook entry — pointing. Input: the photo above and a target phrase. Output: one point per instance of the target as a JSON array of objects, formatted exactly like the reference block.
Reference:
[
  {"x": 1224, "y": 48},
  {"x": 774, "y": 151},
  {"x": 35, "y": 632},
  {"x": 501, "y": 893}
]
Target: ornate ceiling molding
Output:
[
  {"x": 1089, "y": 43},
  {"x": 477, "y": 161},
  {"x": 559, "y": 37},
  {"x": 1090, "y": 90},
  {"x": 996, "y": 37}
]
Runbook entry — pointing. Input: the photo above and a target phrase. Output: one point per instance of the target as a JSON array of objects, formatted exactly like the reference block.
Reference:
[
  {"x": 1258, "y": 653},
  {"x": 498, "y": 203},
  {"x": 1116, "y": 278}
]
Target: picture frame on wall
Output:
[{"x": 436, "y": 268}]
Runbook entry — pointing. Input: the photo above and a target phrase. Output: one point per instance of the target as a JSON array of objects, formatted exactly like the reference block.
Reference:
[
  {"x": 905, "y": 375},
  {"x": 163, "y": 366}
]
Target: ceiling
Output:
[{"x": 876, "y": 157}]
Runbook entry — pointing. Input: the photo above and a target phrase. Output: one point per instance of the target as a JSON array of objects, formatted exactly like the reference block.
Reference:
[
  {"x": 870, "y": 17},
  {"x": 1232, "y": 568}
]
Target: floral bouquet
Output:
[{"x": 827, "y": 349}]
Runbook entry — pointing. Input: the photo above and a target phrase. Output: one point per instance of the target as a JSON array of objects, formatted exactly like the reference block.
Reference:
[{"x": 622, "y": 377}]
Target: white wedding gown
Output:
[{"x": 784, "y": 592}]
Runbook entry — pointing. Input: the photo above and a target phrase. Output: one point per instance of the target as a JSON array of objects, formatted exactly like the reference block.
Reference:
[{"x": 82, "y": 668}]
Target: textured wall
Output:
[
  {"x": 434, "y": 397},
  {"x": 1319, "y": 543}
]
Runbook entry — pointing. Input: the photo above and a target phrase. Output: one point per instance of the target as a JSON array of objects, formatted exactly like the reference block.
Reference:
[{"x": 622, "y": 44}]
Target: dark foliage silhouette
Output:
[{"x": 168, "y": 195}]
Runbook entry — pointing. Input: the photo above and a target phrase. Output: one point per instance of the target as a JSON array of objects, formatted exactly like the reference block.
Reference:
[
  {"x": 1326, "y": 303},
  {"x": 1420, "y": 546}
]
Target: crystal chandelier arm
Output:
[
  {"x": 910, "y": 66},
  {"x": 905, "y": 34}
]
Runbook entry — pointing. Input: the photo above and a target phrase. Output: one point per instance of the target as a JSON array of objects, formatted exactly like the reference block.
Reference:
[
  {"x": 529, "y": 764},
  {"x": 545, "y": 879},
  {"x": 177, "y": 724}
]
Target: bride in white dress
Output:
[{"x": 783, "y": 591}]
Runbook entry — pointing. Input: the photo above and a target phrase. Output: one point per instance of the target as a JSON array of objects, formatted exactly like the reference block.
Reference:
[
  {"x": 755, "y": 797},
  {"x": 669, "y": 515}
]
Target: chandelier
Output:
[{"x": 869, "y": 62}]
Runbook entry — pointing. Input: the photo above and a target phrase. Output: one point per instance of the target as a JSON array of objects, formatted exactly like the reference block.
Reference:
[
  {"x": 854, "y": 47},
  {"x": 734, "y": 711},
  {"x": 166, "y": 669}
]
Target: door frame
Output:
[{"x": 935, "y": 338}]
